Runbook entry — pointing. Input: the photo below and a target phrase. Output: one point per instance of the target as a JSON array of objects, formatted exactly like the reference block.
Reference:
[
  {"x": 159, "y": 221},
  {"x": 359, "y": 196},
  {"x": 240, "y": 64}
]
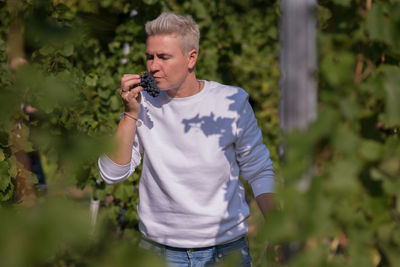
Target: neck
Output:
[{"x": 188, "y": 88}]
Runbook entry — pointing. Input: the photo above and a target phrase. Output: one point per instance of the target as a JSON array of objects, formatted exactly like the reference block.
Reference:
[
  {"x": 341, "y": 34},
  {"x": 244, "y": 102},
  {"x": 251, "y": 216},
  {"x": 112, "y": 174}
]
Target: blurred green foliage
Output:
[
  {"x": 341, "y": 200},
  {"x": 76, "y": 52},
  {"x": 340, "y": 197}
]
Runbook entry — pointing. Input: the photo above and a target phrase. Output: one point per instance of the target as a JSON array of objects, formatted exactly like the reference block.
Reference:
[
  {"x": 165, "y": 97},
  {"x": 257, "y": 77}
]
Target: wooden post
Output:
[
  {"x": 298, "y": 104},
  {"x": 298, "y": 64}
]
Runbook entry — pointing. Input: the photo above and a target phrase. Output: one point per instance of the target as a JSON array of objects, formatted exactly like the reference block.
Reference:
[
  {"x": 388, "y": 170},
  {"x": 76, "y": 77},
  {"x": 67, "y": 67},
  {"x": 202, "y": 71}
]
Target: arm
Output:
[
  {"x": 124, "y": 135},
  {"x": 254, "y": 159},
  {"x": 265, "y": 203},
  {"x": 118, "y": 166}
]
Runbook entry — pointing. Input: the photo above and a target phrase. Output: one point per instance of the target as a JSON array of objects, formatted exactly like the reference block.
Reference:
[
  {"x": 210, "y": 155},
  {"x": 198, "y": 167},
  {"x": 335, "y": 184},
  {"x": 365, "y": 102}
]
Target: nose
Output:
[{"x": 153, "y": 65}]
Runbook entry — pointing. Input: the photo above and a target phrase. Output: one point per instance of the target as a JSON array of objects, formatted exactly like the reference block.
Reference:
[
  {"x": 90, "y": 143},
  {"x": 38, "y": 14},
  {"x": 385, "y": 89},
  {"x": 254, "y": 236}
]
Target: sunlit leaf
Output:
[
  {"x": 371, "y": 150},
  {"x": 5, "y": 178}
]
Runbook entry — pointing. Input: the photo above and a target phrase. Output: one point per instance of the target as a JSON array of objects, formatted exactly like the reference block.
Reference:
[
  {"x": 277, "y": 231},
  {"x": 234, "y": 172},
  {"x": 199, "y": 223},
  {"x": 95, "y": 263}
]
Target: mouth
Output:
[{"x": 157, "y": 79}]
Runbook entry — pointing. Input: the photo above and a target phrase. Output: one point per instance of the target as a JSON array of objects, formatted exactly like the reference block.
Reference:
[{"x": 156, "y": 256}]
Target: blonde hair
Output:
[{"x": 184, "y": 28}]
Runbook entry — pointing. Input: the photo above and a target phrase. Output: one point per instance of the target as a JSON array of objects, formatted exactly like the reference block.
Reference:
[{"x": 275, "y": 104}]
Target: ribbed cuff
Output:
[
  {"x": 263, "y": 185},
  {"x": 111, "y": 168}
]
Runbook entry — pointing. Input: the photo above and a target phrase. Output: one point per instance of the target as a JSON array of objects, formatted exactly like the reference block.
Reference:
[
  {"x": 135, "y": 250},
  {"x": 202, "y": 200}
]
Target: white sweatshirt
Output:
[{"x": 190, "y": 194}]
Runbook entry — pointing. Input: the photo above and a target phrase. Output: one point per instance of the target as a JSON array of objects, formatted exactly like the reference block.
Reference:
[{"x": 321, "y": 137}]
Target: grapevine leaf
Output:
[
  {"x": 350, "y": 108},
  {"x": 378, "y": 23},
  {"x": 115, "y": 103},
  {"x": 46, "y": 50},
  {"x": 338, "y": 67},
  {"x": 91, "y": 80},
  {"x": 391, "y": 187},
  {"x": 124, "y": 191},
  {"x": 391, "y": 165},
  {"x": 131, "y": 215},
  {"x": 7, "y": 193},
  {"x": 13, "y": 167},
  {"x": 5, "y": 178},
  {"x": 150, "y": 2},
  {"x": 377, "y": 175},
  {"x": 68, "y": 50},
  {"x": 343, "y": 2},
  {"x": 371, "y": 150},
  {"x": 100, "y": 194},
  {"x": 345, "y": 140},
  {"x": 392, "y": 89},
  {"x": 105, "y": 94},
  {"x": 344, "y": 175}
]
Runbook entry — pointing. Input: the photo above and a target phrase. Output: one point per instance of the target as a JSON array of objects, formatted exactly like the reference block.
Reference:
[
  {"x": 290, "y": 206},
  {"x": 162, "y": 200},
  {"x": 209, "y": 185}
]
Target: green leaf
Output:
[
  {"x": 94, "y": 124},
  {"x": 345, "y": 140},
  {"x": 371, "y": 150},
  {"x": 131, "y": 215},
  {"x": 47, "y": 50},
  {"x": 124, "y": 191},
  {"x": 13, "y": 166},
  {"x": 391, "y": 165},
  {"x": 345, "y": 3},
  {"x": 115, "y": 103},
  {"x": 396, "y": 236},
  {"x": 5, "y": 178},
  {"x": 391, "y": 187},
  {"x": 376, "y": 206},
  {"x": 378, "y": 23},
  {"x": 91, "y": 80},
  {"x": 337, "y": 67},
  {"x": 99, "y": 194},
  {"x": 349, "y": 108},
  {"x": 150, "y": 2},
  {"x": 325, "y": 124},
  {"x": 105, "y": 94},
  {"x": 68, "y": 50},
  {"x": 385, "y": 232},
  {"x": 7, "y": 193},
  {"x": 392, "y": 88},
  {"x": 344, "y": 175},
  {"x": 377, "y": 174}
]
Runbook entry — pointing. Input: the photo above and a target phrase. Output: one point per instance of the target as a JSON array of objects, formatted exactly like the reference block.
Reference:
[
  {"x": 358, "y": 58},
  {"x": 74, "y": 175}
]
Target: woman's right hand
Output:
[{"x": 130, "y": 93}]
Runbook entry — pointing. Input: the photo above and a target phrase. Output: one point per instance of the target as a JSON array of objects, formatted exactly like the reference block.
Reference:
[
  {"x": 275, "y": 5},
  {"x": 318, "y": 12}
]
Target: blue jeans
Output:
[{"x": 198, "y": 257}]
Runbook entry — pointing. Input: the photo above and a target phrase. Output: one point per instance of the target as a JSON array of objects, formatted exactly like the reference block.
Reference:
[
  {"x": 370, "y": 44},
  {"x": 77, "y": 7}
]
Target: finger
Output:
[
  {"x": 135, "y": 91},
  {"x": 128, "y": 77},
  {"x": 128, "y": 85},
  {"x": 122, "y": 91},
  {"x": 127, "y": 96}
]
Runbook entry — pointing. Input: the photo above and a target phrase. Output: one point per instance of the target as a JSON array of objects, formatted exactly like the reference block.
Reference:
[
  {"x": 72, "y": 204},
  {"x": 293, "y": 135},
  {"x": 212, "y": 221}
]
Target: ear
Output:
[{"x": 192, "y": 58}]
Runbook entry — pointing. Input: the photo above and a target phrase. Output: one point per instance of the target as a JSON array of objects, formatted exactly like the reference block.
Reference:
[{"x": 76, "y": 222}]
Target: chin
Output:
[{"x": 162, "y": 88}]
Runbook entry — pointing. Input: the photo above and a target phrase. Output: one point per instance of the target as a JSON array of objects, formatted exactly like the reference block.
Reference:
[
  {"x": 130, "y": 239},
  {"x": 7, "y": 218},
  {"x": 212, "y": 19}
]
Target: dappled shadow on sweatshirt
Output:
[
  {"x": 227, "y": 129},
  {"x": 209, "y": 124}
]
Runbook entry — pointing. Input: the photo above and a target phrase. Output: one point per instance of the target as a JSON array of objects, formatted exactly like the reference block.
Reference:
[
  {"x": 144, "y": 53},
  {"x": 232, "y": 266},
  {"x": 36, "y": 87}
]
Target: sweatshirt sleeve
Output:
[
  {"x": 112, "y": 172},
  {"x": 252, "y": 155}
]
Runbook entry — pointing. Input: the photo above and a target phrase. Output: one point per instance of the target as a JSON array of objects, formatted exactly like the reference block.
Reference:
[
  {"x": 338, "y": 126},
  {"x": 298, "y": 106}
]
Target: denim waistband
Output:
[{"x": 230, "y": 243}]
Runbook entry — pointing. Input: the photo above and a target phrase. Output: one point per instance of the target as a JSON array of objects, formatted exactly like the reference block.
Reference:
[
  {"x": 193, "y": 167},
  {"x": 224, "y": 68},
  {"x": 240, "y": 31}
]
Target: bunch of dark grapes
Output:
[{"x": 149, "y": 84}]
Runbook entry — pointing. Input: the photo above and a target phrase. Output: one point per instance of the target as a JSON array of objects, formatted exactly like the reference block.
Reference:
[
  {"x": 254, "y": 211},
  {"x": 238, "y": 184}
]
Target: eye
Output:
[
  {"x": 149, "y": 57},
  {"x": 164, "y": 57}
]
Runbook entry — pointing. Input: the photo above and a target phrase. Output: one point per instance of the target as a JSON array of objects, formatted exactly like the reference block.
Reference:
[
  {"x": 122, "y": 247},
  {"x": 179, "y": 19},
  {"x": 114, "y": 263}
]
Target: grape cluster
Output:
[{"x": 149, "y": 84}]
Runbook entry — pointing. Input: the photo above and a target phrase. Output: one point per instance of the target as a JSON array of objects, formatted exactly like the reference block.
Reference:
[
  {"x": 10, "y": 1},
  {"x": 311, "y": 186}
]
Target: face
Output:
[{"x": 166, "y": 62}]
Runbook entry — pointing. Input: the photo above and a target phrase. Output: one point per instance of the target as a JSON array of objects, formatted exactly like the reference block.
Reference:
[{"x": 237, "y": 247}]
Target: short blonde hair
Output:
[{"x": 184, "y": 27}]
